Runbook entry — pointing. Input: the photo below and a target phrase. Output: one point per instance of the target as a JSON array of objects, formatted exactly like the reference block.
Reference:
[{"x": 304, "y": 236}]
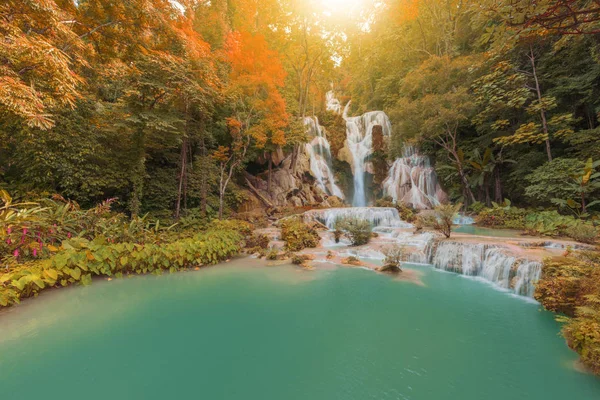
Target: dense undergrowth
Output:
[
  {"x": 54, "y": 243},
  {"x": 536, "y": 222},
  {"x": 571, "y": 286}
]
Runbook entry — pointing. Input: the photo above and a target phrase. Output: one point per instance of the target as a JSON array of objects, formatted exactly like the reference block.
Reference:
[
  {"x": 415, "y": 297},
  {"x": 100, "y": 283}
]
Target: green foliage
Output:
[
  {"x": 441, "y": 219},
  {"x": 477, "y": 207},
  {"x": 571, "y": 286},
  {"x": 406, "y": 213},
  {"x": 357, "y": 230},
  {"x": 298, "y": 235},
  {"x": 549, "y": 181},
  {"x": 34, "y": 230},
  {"x": 502, "y": 216},
  {"x": 545, "y": 223},
  {"x": 79, "y": 260}
]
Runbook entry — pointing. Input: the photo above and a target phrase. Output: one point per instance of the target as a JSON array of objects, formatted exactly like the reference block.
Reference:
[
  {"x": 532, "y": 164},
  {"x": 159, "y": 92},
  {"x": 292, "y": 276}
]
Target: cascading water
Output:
[
  {"x": 320, "y": 158},
  {"x": 376, "y": 216},
  {"x": 491, "y": 263},
  {"x": 412, "y": 180},
  {"x": 359, "y": 139}
]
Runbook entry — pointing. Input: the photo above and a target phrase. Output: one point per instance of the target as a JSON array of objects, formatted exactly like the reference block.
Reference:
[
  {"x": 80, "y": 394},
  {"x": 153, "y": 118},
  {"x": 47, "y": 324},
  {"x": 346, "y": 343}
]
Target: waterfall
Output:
[
  {"x": 359, "y": 139},
  {"x": 412, "y": 180},
  {"x": 489, "y": 262},
  {"x": 528, "y": 274},
  {"x": 332, "y": 104},
  {"x": 376, "y": 216},
  {"x": 320, "y": 158}
]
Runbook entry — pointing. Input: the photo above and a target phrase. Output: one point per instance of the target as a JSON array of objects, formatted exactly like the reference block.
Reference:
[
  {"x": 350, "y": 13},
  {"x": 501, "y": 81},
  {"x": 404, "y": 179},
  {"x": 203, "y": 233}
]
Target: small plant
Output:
[
  {"x": 298, "y": 235},
  {"x": 337, "y": 235},
  {"x": 442, "y": 218},
  {"x": 358, "y": 231},
  {"x": 257, "y": 240},
  {"x": 393, "y": 259},
  {"x": 272, "y": 254}
]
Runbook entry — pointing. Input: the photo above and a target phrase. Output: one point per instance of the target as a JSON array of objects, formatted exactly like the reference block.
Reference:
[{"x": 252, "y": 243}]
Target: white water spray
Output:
[
  {"x": 320, "y": 158},
  {"x": 412, "y": 180}
]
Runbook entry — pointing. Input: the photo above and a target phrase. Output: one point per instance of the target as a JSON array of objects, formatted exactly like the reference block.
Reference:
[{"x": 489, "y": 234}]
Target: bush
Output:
[
  {"x": 78, "y": 260},
  {"x": 257, "y": 241},
  {"x": 393, "y": 258},
  {"x": 571, "y": 286},
  {"x": 502, "y": 217},
  {"x": 442, "y": 218},
  {"x": 583, "y": 232},
  {"x": 358, "y": 231},
  {"x": 298, "y": 235},
  {"x": 407, "y": 213}
]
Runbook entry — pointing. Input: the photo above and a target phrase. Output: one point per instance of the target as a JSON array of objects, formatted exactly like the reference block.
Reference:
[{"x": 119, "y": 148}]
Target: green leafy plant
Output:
[
  {"x": 442, "y": 218},
  {"x": 357, "y": 230},
  {"x": 78, "y": 260}
]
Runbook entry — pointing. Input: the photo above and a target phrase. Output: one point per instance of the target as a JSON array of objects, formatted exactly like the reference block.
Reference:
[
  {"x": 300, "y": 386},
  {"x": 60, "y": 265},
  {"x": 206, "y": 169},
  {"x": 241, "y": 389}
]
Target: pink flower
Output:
[
  {"x": 16, "y": 253},
  {"x": 24, "y": 231},
  {"x": 9, "y": 230},
  {"x": 8, "y": 241},
  {"x": 69, "y": 235},
  {"x": 35, "y": 252},
  {"x": 41, "y": 245}
]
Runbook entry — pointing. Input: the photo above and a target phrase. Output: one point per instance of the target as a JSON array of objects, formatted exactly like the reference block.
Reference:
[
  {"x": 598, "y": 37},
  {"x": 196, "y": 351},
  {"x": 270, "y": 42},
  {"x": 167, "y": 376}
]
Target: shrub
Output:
[
  {"x": 571, "y": 285},
  {"x": 502, "y": 217},
  {"x": 358, "y": 231},
  {"x": 78, "y": 260},
  {"x": 257, "y": 241},
  {"x": 393, "y": 258},
  {"x": 442, "y": 218},
  {"x": 583, "y": 232},
  {"x": 298, "y": 235},
  {"x": 407, "y": 213}
]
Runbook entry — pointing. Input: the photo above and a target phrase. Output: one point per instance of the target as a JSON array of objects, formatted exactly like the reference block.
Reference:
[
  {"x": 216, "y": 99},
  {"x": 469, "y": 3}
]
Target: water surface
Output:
[{"x": 242, "y": 332}]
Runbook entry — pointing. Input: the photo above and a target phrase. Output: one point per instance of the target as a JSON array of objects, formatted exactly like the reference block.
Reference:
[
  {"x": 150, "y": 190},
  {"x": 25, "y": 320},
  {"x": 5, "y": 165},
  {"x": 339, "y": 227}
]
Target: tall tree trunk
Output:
[
  {"x": 182, "y": 173},
  {"x": 498, "y": 186},
  {"x": 139, "y": 172},
  {"x": 539, "y": 96},
  {"x": 269, "y": 181},
  {"x": 203, "y": 176},
  {"x": 488, "y": 200}
]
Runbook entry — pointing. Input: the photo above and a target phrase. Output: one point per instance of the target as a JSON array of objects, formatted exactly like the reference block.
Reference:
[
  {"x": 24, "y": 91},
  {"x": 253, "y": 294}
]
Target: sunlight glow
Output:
[{"x": 340, "y": 6}]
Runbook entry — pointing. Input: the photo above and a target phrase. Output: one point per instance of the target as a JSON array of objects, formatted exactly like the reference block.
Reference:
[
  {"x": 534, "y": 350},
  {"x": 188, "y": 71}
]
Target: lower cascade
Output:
[
  {"x": 489, "y": 262},
  {"x": 376, "y": 216}
]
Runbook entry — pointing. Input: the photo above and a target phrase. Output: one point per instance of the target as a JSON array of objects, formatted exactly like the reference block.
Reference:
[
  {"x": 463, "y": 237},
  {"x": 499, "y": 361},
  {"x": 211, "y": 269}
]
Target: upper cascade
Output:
[
  {"x": 359, "y": 142},
  {"x": 412, "y": 180},
  {"x": 319, "y": 154}
]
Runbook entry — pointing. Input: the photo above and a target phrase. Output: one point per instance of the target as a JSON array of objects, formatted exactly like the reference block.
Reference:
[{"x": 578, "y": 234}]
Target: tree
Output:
[
  {"x": 442, "y": 218},
  {"x": 230, "y": 158},
  {"x": 256, "y": 78},
  {"x": 37, "y": 75},
  {"x": 437, "y": 105}
]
